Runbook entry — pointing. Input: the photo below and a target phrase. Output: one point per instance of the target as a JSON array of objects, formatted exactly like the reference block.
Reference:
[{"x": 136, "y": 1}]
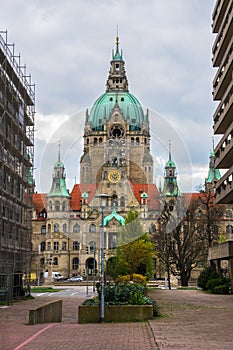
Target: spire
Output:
[
  {"x": 59, "y": 151},
  {"x": 117, "y": 55},
  {"x": 213, "y": 174},
  {"x": 117, "y": 80},
  {"x": 58, "y": 187},
  {"x": 170, "y": 187},
  {"x": 169, "y": 147}
]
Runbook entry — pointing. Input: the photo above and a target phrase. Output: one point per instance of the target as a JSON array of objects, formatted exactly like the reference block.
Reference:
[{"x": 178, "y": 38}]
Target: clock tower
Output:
[{"x": 116, "y": 151}]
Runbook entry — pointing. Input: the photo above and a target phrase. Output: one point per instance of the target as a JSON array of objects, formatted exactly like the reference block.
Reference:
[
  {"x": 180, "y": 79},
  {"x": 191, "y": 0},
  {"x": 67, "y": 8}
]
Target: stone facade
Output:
[{"x": 116, "y": 161}]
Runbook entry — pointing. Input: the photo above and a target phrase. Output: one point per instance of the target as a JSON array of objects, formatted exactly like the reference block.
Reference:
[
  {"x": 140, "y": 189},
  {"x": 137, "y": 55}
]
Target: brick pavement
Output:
[{"x": 191, "y": 320}]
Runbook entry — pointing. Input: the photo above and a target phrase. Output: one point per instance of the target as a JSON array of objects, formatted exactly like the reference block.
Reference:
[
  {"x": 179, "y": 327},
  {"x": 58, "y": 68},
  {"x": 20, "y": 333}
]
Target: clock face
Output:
[{"x": 114, "y": 176}]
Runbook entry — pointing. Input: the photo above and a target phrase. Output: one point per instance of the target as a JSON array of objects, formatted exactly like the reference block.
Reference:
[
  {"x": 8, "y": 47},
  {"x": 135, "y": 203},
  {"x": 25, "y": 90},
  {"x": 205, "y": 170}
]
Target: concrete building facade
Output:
[{"x": 222, "y": 50}]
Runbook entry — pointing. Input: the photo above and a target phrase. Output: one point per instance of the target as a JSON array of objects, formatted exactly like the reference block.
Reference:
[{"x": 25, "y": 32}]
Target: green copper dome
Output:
[{"x": 130, "y": 107}]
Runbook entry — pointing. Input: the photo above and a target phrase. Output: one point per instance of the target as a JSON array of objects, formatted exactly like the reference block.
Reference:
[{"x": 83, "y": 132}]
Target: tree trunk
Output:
[{"x": 184, "y": 279}]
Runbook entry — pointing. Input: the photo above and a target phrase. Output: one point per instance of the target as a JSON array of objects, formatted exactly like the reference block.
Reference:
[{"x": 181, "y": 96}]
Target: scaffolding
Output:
[{"x": 17, "y": 111}]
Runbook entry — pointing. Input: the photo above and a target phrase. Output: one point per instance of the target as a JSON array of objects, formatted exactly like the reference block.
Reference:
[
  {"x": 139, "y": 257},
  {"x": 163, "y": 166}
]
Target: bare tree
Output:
[{"x": 180, "y": 242}]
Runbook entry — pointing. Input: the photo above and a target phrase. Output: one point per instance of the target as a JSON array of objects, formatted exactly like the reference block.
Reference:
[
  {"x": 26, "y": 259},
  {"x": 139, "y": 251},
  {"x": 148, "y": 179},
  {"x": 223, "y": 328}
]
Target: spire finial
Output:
[
  {"x": 169, "y": 147},
  {"x": 117, "y": 37},
  {"x": 59, "y": 150}
]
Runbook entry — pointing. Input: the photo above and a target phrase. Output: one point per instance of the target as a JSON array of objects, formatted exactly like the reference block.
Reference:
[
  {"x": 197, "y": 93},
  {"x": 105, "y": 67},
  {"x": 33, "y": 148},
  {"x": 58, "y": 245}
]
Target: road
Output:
[{"x": 68, "y": 291}]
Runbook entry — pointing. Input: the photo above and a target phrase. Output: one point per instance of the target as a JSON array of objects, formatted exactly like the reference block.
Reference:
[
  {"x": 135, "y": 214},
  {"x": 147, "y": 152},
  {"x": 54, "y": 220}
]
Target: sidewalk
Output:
[{"x": 191, "y": 320}]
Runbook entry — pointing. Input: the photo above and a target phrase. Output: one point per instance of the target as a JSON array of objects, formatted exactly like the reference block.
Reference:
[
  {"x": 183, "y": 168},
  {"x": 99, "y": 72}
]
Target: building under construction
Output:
[{"x": 17, "y": 110}]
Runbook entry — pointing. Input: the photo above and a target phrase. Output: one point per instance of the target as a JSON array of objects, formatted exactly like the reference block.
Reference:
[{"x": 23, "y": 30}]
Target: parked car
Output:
[
  {"x": 75, "y": 279},
  {"x": 55, "y": 275}
]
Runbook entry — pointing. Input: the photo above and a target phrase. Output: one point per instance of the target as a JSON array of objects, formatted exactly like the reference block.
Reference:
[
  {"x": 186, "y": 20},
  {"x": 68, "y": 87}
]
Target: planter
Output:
[{"x": 115, "y": 313}]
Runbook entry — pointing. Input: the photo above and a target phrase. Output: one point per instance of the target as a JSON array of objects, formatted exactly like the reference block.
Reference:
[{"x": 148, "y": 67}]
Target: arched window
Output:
[
  {"x": 57, "y": 206},
  {"x": 43, "y": 229},
  {"x": 64, "y": 228},
  {"x": 56, "y": 227},
  {"x": 42, "y": 246},
  {"x": 92, "y": 228},
  {"x": 95, "y": 141},
  {"x": 132, "y": 140},
  {"x": 49, "y": 228},
  {"x": 50, "y": 206},
  {"x": 100, "y": 140},
  {"x": 229, "y": 229},
  {"x": 76, "y": 228},
  {"x": 76, "y": 245},
  {"x": 42, "y": 262},
  {"x": 152, "y": 228},
  {"x": 92, "y": 246},
  {"x": 137, "y": 140},
  {"x": 75, "y": 263},
  {"x": 122, "y": 201},
  {"x": 55, "y": 261}
]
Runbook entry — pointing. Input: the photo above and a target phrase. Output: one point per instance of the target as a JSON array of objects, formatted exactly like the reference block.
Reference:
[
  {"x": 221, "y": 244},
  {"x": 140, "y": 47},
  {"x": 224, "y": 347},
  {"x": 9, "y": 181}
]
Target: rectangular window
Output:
[
  {"x": 63, "y": 246},
  {"x": 55, "y": 245},
  {"x": 75, "y": 245}
]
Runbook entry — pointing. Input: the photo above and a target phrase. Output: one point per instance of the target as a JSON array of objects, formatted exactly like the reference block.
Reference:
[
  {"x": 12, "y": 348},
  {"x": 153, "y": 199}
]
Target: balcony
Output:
[
  {"x": 223, "y": 114},
  {"x": 224, "y": 188},
  {"x": 224, "y": 36},
  {"x": 223, "y": 77},
  {"x": 221, "y": 251},
  {"x": 218, "y": 14},
  {"x": 224, "y": 150}
]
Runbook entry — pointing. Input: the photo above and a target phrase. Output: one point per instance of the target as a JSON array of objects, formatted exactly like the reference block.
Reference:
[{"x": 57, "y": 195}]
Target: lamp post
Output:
[{"x": 103, "y": 201}]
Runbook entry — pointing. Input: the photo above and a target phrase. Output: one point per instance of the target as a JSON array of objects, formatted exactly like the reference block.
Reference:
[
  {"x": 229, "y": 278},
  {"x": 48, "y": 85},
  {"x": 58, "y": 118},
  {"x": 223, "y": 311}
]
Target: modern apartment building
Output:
[
  {"x": 223, "y": 92},
  {"x": 17, "y": 109}
]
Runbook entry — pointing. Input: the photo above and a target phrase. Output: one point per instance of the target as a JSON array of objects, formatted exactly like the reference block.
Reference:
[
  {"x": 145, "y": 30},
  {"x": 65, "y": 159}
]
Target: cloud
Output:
[{"x": 167, "y": 49}]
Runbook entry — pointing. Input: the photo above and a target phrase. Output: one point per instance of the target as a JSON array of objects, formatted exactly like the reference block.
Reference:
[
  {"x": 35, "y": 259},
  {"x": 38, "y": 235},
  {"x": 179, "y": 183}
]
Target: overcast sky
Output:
[{"x": 166, "y": 44}]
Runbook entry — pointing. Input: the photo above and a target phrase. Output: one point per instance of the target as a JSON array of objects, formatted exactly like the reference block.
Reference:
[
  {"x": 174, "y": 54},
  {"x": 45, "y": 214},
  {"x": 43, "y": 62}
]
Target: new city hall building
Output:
[{"x": 116, "y": 161}]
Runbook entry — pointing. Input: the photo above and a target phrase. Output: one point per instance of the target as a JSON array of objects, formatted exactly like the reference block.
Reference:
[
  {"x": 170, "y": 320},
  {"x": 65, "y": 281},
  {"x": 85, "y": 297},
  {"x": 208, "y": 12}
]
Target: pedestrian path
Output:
[{"x": 190, "y": 320}]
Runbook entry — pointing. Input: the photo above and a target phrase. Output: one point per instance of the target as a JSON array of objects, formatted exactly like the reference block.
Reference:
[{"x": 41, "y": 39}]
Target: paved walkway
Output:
[{"x": 191, "y": 320}]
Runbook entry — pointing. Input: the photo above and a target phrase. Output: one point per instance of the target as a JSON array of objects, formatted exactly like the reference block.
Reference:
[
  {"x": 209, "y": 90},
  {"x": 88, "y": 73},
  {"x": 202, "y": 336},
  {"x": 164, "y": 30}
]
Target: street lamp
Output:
[{"x": 103, "y": 201}]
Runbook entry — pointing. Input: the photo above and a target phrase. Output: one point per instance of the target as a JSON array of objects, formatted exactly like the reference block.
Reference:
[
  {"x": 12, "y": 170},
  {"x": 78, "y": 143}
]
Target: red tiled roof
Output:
[
  {"x": 39, "y": 201},
  {"x": 151, "y": 190},
  {"x": 76, "y": 194}
]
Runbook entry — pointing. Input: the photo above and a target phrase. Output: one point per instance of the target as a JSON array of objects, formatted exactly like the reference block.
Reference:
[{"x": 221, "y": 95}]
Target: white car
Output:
[{"x": 75, "y": 279}]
